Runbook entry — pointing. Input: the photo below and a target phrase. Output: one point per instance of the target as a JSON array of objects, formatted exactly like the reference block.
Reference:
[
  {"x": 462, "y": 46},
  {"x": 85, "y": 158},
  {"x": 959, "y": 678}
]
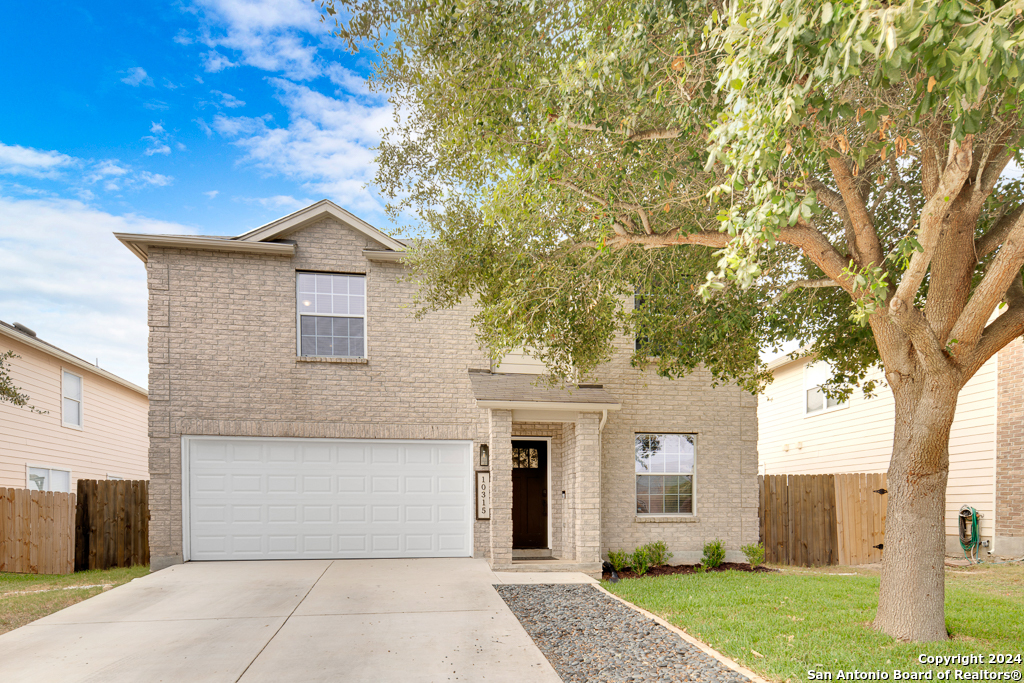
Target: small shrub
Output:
[
  {"x": 640, "y": 561},
  {"x": 658, "y": 553},
  {"x": 618, "y": 559},
  {"x": 714, "y": 553},
  {"x": 754, "y": 553}
]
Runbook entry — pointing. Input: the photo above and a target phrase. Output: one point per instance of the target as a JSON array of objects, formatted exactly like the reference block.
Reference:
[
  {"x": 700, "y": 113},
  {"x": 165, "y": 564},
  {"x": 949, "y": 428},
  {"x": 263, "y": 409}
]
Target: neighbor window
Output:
[
  {"x": 43, "y": 479},
  {"x": 664, "y": 474},
  {"x": 71, "y": 408},
  {"x": 332, "y": 315},
  {"x": 815, "y": 401}
]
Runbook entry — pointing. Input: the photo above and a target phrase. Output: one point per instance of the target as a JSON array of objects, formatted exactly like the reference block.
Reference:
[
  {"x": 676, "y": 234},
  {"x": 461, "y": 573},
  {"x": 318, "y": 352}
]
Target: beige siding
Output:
[
  {"x": 113, "y": 440},
  {"x": 858, "y": 437},
  {"x": 519, "y": 362}
]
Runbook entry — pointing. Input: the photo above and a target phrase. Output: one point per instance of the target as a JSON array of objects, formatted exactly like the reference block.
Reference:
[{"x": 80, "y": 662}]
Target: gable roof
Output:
[
  {"x": 312, "y": 213},
  {"x": 263, "y": 239},
  {"x": 62, "y": 355}
]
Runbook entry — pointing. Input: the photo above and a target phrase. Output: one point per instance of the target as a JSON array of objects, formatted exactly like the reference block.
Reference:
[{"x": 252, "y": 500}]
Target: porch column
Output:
[
  {"x": 587, "y": 473},
  {"x": 501, "y": 487}
]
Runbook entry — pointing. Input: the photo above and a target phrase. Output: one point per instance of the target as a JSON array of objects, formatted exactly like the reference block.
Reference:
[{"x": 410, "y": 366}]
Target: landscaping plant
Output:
[
  {"x": 618, "y": 559},
  {"x": 658, "y": 553},
  {"x": 640, "y": 561},
  {"x": 714, "y": 554},
  {"x": 754, "y": 553}
]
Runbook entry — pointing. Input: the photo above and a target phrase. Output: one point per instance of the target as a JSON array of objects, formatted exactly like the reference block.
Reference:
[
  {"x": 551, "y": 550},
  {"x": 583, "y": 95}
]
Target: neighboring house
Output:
[
  {"x": 802, "y": 432},
  {"x": 92, "y": 424},
  {"x": 300, "y": 409}
]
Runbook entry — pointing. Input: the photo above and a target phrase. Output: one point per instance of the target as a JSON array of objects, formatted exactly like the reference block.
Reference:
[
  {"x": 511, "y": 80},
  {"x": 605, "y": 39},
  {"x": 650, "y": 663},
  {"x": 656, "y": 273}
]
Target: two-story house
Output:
[
  {"x": 88, "y": 423},
  {"x": 300, "y": 409}
]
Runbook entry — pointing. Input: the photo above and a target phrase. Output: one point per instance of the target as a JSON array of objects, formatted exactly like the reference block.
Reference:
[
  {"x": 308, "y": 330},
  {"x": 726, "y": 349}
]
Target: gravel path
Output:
[{"x": 590, "y": 637}]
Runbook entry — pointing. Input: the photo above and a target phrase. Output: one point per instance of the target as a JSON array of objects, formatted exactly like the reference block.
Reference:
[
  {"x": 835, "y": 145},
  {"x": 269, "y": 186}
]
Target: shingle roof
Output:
[{"x": 521, "y": 388}]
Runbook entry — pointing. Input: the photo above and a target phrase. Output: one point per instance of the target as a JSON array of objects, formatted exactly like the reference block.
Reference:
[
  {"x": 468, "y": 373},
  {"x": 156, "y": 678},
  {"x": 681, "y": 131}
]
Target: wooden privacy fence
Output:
[
  {"x": 112, "y": 524},
  {"x": 819, "y": 519},
  {"x": 37, "y": 532}
]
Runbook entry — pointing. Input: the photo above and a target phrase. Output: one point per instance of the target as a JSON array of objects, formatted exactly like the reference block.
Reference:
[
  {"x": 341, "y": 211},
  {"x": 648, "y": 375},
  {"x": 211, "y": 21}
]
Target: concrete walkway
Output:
[{"x": 314, "y": 620}]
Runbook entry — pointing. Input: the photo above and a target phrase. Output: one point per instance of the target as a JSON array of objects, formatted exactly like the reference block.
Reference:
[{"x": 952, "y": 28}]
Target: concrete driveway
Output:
[{"x": 277, "y": 621}]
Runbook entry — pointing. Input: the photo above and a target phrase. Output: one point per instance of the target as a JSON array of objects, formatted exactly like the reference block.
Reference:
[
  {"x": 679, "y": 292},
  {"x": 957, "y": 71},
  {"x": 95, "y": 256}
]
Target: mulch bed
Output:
[{"x": 669, "y": 569}]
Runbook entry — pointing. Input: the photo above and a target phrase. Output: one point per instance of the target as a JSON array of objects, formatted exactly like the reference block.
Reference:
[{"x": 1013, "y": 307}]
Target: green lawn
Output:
[
  {"x": 816, "y": 619},
  {"x": 27, "y": 597}
]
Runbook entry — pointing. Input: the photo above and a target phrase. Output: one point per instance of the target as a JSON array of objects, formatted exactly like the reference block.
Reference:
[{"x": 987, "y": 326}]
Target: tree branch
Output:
[
  {"x": 996, "y": 284},
  {"x": 998, "y": 334},
  {"x": 932, "y": 219},
  {"x": 833, "y": 201},
  {"x": 991, "y": 240},
  {"x": 648, "y": 134},
  {"x": 806, "y": 284},
  {"x": 866, "y": 239}
]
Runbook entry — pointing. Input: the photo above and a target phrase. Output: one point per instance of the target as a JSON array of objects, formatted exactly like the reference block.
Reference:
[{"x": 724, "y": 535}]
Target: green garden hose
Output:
[{"x": 970, "y": 539}]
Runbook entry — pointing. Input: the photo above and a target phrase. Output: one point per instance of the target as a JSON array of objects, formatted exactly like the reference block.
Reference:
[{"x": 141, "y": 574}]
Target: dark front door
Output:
[{"x": 529, "y": 494}]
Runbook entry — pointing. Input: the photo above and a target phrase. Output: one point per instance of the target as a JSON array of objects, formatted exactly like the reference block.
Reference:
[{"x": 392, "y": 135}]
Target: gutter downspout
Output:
[{"x": 604, "y": 419}]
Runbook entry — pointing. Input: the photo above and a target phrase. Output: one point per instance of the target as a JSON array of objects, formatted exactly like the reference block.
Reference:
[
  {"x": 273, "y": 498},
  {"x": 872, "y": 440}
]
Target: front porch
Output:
[{"x": 545, "y": 473}]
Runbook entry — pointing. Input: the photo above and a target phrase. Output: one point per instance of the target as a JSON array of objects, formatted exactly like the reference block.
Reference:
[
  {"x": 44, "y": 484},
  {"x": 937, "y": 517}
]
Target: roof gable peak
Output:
[{"x": 312, "y": 213}]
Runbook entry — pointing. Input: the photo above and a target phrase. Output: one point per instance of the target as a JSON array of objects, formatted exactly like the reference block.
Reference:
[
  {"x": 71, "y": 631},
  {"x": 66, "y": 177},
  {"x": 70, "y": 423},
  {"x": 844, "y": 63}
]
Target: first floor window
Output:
[
  {"x": 332, "y": 314},
  {"x": 664, "y": 474},
  {"x": 71, "y": 407},
  {"x": 44, "y": 479}
]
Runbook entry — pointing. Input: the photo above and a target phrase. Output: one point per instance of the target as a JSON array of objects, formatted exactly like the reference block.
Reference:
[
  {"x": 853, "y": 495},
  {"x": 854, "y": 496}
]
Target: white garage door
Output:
[{"x": 327, "y": 498}]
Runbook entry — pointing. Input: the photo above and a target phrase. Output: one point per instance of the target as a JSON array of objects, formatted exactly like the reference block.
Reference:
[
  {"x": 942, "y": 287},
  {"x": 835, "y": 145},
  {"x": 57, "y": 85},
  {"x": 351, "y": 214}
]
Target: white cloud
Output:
[
  {"x": 326, "y": 145},
  {"x": 215, "y": 61},
  {"x": 74, "y": 172},
  {"x": 156, "y": 146},
  {"x": 70, "y": 280},
  {"x": 137, "y": 76},
  {"x": 212, "y": 193},
  {"x": 281, "y": 201},
  {"x": 228, "y": 100},
  {"x": 156, "y": 128},
  {"x": 18, "y": 160},
  {"x": 272, "y": 35}
]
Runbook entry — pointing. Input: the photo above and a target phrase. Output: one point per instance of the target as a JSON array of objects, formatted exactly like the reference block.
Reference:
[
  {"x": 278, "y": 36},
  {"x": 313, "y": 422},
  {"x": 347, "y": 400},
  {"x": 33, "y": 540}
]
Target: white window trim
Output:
[
  {"x": 693, "y": 478},
  {"x": 803, "y": 396},
  {"x": 81, "y": 402},
  {"x": 114, "y": 477},
  {"x": 34, "y": 466},
  {"x": 366, "y": 308}
]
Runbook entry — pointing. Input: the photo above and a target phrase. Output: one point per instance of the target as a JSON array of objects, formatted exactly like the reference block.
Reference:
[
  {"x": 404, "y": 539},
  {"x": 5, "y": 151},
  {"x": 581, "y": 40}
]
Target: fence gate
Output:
[
  {"x": 819, "y": 519},
  {"x": 112, "y": 524},
  {"x": 37, "y": 531}
]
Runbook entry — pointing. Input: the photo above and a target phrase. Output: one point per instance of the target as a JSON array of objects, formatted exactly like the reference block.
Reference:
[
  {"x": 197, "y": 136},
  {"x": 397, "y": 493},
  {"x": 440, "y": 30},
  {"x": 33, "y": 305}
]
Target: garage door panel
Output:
[{"x": 283, "y": 498}]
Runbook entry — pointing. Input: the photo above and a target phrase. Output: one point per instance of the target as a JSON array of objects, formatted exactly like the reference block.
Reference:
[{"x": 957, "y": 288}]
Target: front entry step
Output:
[
  {"x": 531, "y": 554},
  {"x": 592, "y": 569}
]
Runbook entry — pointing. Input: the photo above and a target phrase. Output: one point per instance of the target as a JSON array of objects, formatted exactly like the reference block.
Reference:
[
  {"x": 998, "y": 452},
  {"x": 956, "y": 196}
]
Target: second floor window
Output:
[
  {"x": 71, "y": 405},
  {"x": 815, "y": 401},
  {"x": 332, "y": 314}
]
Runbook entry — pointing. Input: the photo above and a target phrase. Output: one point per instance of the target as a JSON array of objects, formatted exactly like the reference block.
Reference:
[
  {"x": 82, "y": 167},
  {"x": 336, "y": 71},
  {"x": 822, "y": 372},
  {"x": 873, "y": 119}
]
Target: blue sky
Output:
[{"x": 207, "y": 117}]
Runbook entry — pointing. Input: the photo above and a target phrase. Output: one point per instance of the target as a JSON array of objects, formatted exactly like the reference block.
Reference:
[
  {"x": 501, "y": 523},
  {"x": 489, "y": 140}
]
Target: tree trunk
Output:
[{"x": 911, "y": 601}]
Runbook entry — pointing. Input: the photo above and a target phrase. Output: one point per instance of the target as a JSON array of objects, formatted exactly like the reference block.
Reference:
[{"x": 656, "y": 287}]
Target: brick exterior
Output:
[
  {"x": 223, "y": 362},
  {"x": 1009, "y": 531}
]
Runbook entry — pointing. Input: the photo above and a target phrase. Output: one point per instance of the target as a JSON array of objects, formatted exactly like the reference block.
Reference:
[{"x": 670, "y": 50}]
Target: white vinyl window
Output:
[
  {"x": 815, "y": 401},
  {"x": 331, "y": 314},
  {"x": 114, "y": 477},
  {"x": 664, "y": 474},
  {"x": 71, "y": 405},
  {"x": 45, "y": 479}
]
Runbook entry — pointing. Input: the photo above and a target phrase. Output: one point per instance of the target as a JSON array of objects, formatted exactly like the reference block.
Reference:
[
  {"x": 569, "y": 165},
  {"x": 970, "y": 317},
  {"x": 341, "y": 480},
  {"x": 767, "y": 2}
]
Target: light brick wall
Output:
[
  {"x": 223, "y": 363},
  {"x": 725, "y": 482},
  {"x": 1009, "y": 528}
]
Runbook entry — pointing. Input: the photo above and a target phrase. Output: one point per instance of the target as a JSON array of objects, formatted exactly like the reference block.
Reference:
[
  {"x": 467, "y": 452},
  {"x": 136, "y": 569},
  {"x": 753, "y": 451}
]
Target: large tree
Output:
[{"x": 840, "y": 173}]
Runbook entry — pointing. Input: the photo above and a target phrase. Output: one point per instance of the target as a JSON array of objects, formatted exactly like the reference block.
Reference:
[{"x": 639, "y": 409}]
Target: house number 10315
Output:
[{"x": 483, "y": 495}]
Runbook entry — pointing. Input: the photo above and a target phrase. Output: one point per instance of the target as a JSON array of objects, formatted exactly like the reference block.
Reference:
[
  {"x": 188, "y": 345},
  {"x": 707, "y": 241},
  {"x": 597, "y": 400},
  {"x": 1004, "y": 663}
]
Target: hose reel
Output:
[{"x": 970, "y": 538}]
